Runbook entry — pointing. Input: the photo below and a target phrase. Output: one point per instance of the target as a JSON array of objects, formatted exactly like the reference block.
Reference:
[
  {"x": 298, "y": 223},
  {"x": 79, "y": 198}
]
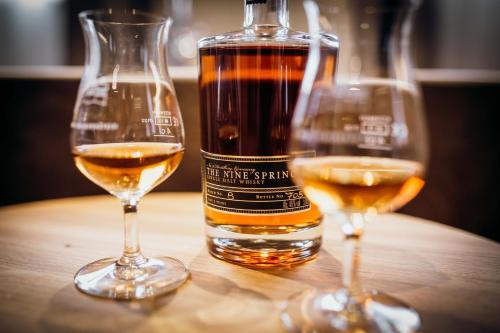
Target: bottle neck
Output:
[{"x": 266, "y": 13}]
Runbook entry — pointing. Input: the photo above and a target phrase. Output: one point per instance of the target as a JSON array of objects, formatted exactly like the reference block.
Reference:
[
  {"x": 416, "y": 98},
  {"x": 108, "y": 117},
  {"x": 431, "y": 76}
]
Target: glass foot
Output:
[
  {"x": 104, "y": 278},
  {"x": 338, "y": 311}
]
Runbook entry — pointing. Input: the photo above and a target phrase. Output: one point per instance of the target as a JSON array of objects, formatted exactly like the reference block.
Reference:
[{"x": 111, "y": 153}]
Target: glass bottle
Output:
[{"x": 249, "y": 83}]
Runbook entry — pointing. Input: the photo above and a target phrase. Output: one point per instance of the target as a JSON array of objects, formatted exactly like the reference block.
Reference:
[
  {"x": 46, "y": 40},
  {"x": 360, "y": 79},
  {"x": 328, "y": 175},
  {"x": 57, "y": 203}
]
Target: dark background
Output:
[
  {"x": 447, "y": 33},
  {"x": 463, "y": 184}
]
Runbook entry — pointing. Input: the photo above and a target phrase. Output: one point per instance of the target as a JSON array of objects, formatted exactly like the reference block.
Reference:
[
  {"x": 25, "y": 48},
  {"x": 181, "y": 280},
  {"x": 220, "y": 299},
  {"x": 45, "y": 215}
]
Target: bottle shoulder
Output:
[
  {"x": 262, "y": 36},
  {"x": 266, "y": 37}
]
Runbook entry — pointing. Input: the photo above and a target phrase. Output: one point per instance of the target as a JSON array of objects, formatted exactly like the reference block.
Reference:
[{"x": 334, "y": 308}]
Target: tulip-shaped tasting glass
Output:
[
  {"x": 127, "y": 137},
  {"x": 366, "y": 126}
]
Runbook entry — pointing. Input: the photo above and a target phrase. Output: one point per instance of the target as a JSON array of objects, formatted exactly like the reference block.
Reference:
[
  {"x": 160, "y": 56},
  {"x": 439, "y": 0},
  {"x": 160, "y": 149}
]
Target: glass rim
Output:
[{"x": 149, "y": 19}]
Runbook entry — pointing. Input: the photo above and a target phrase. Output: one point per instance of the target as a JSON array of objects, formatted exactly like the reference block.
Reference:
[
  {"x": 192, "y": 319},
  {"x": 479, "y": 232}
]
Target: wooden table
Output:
[{"x": 451, "y": 277}]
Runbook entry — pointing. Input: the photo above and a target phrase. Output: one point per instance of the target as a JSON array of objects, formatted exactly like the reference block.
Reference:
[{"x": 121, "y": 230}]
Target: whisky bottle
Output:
[{"x": 249, "y": 83}]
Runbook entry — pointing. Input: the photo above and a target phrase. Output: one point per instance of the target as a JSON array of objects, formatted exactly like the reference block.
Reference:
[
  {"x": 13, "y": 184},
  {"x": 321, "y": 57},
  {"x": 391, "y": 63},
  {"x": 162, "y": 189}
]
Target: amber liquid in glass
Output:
[
  {"x": 359, "y": 184},
  {"x": 128, "y": 170}
]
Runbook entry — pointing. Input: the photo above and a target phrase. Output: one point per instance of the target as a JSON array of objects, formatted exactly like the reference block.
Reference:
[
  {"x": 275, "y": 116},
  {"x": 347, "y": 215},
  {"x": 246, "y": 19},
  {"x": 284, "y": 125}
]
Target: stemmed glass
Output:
[
  {"x": 127, "y": 137},
  {"x": 366, "y": 126}
]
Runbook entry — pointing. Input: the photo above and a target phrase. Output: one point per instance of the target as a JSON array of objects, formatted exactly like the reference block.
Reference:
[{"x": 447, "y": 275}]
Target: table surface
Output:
[{"x": 451, "y": 277}]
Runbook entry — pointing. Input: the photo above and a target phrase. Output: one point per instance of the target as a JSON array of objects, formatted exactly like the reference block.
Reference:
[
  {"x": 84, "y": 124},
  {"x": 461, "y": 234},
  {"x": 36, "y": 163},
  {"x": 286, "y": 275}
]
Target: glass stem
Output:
[
  {"x": 353, "y": 230},
  {"x": 350, "y": 270},
  {"x": 132, "y": 255}
]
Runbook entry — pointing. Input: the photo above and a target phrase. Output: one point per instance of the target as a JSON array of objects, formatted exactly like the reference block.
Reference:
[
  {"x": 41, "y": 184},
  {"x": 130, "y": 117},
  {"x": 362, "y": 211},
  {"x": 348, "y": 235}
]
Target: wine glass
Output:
[
  {"x": 366, "y": 126},
  {"x": 127, "y": 137}
]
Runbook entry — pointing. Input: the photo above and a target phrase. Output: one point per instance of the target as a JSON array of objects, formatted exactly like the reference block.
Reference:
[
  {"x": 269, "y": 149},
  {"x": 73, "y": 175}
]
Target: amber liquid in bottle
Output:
[
  {"x": 249, "y": 84},
  {"x": 247, "y": 97},
  {"x": 260, "y": 87}
]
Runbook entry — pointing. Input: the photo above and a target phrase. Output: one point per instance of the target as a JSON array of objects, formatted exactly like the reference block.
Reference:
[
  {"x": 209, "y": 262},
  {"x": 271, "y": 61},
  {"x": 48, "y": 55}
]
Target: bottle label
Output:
[{"x": 250, "y": 185}]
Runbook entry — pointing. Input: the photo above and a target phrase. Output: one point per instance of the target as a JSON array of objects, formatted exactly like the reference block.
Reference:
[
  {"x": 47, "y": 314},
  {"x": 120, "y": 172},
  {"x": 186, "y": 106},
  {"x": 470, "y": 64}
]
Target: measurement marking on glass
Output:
[{"x": 163, "y": 121}]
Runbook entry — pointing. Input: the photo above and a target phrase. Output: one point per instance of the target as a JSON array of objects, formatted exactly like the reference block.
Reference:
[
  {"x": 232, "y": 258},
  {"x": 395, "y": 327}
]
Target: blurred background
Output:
[{"x": 457, "y": 54}]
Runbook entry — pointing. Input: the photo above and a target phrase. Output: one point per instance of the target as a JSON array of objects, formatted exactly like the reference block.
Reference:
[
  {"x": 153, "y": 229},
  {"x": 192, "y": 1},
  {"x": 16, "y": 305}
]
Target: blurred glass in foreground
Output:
[{"x": 368, "y": 132}]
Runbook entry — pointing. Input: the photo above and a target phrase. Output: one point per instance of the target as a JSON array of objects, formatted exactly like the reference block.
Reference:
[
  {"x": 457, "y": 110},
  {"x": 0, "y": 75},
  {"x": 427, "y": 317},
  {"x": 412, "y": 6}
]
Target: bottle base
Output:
[{"x": 264, "y": 250}]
